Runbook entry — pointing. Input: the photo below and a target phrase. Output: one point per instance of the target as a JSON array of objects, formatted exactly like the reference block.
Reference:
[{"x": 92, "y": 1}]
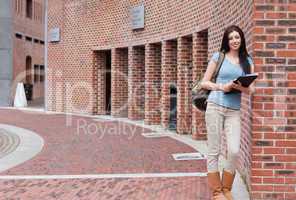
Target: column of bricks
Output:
[
  {"x": 184, "y": 74},
  {"x": 168, "y": 78},
  {"x": 199, "y": 64},
  {"x": 95, "y": 83},
  {"x": 119, "y": 91},
  {"x": 100, "y": 64},
  {"x": 152, "y": 83},
  {"x": 51, "y": 98},
  {"x": 274, "y": 104},
  {"x": 136, "y": 82}
]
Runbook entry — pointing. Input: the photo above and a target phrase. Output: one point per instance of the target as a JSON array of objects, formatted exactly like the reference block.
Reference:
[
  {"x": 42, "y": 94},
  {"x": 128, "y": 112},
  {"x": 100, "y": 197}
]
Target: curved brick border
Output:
[
  {"x": 30, "y": 145},
  {"x": 8, "y": 142}
]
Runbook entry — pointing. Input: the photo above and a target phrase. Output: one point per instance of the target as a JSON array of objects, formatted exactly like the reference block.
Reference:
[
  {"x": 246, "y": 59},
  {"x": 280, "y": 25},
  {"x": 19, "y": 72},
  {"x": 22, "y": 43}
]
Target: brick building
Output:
[
  {"x": 102, "y": 64},
  {"x": 21, "y": 47}
]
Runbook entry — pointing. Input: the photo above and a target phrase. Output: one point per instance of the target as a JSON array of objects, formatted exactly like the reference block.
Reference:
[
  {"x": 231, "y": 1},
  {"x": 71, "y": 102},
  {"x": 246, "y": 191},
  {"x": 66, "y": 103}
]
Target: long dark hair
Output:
[{"x": 243, "y": 53}]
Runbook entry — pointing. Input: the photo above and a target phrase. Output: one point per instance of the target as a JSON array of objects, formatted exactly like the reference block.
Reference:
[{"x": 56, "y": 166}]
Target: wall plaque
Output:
[
  {"x": 138, "y": 17},
  {"x": 54, "y": 35}
]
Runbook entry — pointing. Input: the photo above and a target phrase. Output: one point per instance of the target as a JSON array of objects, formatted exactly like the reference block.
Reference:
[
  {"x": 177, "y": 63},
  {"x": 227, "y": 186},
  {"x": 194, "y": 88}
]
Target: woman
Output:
[{"x": 223, "y": 109}]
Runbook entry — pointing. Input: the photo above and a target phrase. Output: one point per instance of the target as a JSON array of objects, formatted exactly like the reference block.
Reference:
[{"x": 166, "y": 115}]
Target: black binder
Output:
[{"x": 246, "y": 80}]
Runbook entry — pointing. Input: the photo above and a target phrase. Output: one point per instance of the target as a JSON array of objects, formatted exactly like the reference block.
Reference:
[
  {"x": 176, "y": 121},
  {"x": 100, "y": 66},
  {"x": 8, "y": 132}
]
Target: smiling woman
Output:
[{"x": 223, "y": 110}]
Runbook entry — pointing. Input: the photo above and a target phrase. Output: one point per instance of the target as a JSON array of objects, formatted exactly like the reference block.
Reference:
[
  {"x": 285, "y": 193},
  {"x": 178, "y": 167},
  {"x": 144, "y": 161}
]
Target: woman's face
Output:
[{"x": 234, "y": 41}]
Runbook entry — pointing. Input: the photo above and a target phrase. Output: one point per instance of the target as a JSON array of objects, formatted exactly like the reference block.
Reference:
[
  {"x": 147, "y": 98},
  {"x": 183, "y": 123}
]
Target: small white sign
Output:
[
  {"x": 20, "y": 96},
  {"x": 54, "y": 35},
  {"x": 138, "y": 17},
  {"x": 154, "y": 135},
  {"x": 189, "y": 156}
]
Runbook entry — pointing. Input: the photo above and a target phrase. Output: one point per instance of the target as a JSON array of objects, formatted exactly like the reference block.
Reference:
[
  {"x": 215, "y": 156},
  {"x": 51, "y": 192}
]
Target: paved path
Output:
[
  {"x": 107, "y": 189},
  {"x": 82, "y": 146}
]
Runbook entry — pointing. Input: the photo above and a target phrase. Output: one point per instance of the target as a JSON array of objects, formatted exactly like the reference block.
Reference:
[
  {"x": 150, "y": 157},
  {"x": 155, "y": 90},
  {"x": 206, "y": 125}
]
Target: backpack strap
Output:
[{"x": 219, "y": 64}]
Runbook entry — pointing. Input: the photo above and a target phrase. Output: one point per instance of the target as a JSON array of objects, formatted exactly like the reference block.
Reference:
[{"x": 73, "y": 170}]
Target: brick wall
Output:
[
  {"x": 136, "y": 83},
  {"x": 56, "y": 56},
  {"x": 99, "y": 82},
  {"x": 34, "y": 29},
  {"x": 119, "y": 85},
  {"x": 274, "y": 107},
  {"x": 184, "y": 81},
  {"x": 152, "y": 83}
]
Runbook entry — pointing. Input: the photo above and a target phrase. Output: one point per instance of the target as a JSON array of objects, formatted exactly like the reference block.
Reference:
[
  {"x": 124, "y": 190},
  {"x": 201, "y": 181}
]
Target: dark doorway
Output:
[
  {"x": 173, "y": 108},
  {"x": 108, "y": 83},
  {"x": 28, "y": 86},
  {"x": 29, "y": 9},
  {"x": 28, "y": 69}
]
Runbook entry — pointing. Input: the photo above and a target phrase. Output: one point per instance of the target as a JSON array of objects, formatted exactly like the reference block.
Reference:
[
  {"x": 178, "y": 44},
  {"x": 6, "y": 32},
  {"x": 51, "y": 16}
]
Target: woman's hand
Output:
[
  {"x": 238, "y": 86},
  {"x": 227, "y": 87}
]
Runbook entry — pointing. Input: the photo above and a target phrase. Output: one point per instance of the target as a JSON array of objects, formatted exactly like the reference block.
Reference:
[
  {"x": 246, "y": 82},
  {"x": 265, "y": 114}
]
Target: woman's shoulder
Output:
[{"x": 215, "y": 56}]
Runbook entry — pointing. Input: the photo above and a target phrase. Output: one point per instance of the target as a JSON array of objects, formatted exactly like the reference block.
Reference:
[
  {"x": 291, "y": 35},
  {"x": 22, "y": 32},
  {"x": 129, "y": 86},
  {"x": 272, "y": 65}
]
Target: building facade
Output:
[
  {"x": 22, "y": 48},
  {"x": 102, "y": 59}
]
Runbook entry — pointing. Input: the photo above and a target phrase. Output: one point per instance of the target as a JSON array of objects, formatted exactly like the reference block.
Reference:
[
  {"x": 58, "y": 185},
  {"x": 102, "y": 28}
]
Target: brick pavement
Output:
[
  {"x": 99, "y": 147},
  {"x": 185, "y": 188}
]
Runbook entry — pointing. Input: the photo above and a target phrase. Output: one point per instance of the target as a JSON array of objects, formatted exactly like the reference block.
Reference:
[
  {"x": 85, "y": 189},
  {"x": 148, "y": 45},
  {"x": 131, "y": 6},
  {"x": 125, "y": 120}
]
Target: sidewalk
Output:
[{"x": 100, "y": 157}]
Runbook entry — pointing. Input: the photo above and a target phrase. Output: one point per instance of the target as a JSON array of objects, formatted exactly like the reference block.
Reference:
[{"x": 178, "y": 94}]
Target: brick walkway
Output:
[{"x": 86, "y": 146}]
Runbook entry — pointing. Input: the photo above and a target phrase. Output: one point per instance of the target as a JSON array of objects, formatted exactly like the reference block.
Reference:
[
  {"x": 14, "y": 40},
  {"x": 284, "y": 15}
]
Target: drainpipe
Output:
[{"x": 45, "y": 56}]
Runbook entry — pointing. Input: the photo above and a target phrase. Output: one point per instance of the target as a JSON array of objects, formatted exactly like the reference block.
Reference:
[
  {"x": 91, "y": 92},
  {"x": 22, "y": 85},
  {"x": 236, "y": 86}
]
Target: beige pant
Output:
[{"x": 220, "y": 118}]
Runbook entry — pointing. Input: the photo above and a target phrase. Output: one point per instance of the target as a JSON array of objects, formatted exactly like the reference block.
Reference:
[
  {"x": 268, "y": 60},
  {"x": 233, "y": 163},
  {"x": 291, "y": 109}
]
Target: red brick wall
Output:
[
  {"x": 99, "y": 82},
  {"x": 56, "y": 54},
  {"x": 274, "y": 107},
  {"x": 184, "y": 81},
  {"x": 152, "y": 83},
  {"x": 119, "y": 90},
  {"x": 136, "y": 84},
  {"x": 33, "y": 28}
]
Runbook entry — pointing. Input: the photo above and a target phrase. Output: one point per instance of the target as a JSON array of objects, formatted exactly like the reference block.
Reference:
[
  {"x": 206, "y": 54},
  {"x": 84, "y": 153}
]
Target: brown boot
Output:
[
  {"x": 227, "y": 181},
  {"x": 215, "y": 186}
]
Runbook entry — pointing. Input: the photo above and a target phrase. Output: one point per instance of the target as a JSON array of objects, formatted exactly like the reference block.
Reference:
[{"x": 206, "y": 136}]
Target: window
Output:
[
  {"x": 41, "y": 42},
  {"x": 28, "y": 38},
  {"x": 36, "y": 73},
  {"x": 16, "y": 5},
  {"x": 29, "y": 9},
  {"x": 21, "y": 6},
  {"x": 18, "y": 35},
  {"x": 35, "y": 11},
  {"x": 41, "y": 73},
  {"x": 36, "y": 40},
  {"x": 28, "y": 69}
]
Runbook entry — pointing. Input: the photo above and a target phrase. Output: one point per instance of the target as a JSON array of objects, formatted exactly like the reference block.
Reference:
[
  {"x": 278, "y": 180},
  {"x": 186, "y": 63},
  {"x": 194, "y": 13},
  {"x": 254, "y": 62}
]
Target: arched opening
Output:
[{"x": 29, "y": 9}]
